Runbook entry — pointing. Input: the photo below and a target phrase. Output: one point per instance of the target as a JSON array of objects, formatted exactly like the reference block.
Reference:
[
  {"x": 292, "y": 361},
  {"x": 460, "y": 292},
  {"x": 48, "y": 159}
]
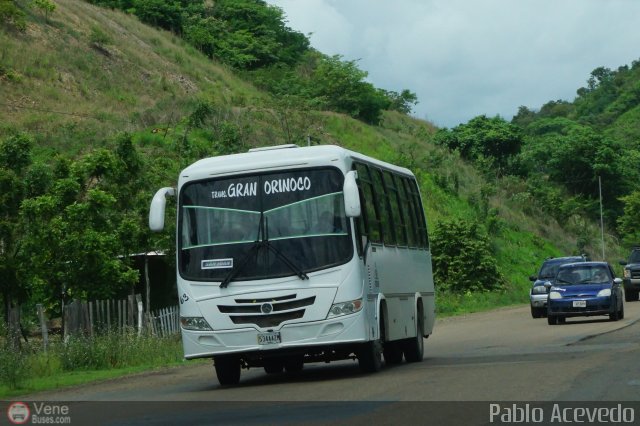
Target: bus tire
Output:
[
  {"x": 294, "y": 364},
  {"x": 370, "y": 356},
  {"x": 227, "y": 369},
  {"x": 392, "y": 353},
  {"x": 414, "y": 347},
  {"x": 273, "y": 366}
]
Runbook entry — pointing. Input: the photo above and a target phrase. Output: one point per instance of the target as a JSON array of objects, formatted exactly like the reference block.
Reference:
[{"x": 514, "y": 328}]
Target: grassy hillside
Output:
[{"x": 92, "y": 73}]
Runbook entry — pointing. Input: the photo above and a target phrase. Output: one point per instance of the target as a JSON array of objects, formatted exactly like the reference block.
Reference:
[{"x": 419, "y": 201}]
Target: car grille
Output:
[
  {"x": 635, "y": 274},
  {"x": 250, "y": 311}
]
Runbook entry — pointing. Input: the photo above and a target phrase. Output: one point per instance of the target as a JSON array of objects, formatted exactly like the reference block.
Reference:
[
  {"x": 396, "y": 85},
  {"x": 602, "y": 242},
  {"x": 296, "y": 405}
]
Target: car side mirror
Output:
[
  {"x": 617, "y": 280},
  {"x": 547, "y": 284},
  {"x": 623, "y": 262},
  {"x": 532, "y": 278}
]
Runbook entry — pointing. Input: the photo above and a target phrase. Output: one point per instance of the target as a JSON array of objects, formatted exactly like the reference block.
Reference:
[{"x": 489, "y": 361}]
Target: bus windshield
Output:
[{"x": 299, "y": 213}]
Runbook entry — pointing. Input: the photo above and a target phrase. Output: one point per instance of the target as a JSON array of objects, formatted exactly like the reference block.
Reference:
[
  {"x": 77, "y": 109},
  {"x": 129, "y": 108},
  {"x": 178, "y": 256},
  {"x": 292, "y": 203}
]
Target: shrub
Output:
[{"x": 462, "y": 258}]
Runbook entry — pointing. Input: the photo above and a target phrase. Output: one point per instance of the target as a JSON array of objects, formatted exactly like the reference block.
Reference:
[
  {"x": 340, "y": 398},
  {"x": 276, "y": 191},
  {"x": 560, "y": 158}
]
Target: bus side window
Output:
[
  {"x": 423, "y": 240},
  {"x": 371, "y": 226},
  {"x": 382, "y": 202},
  {"x": 394, "y": 204}
]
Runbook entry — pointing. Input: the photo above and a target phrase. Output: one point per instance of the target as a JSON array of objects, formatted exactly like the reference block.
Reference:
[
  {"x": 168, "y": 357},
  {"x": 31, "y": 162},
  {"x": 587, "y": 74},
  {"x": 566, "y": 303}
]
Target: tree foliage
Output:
[
  {"x": 462, "y": 258},
  {"x": 490, "y": 138}
]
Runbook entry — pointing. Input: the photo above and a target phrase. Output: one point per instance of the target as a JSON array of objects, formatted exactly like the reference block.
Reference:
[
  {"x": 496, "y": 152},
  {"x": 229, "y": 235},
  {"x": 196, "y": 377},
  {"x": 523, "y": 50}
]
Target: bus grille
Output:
[
  {"x": 267, "y": 320},
  {"x": 250, "y": 311}
]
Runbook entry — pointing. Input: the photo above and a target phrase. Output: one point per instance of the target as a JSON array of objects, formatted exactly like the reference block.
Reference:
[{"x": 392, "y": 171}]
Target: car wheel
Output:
[
  {"x": 615, "y": 316},
  {"x": 630, "y": 296},
  {"x": 621, "y": 314},
  {"x": 561, "y": 320},
  {"x": 552, "y": 320},
  {"x": 535, "y": 312},
  {"x": 227, "y": 369}
]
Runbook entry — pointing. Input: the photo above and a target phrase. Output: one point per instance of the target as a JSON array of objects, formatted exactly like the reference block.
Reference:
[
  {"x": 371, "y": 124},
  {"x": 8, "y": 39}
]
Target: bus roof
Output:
[{"x": 282, "y": 157}]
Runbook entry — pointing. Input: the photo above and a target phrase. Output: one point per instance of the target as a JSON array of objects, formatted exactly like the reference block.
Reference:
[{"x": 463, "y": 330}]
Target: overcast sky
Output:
[{"x": 465, "y": 58}]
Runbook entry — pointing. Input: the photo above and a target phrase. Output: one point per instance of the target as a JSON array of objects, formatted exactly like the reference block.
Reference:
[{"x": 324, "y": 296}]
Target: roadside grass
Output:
[{"x": 80, "y": 360}]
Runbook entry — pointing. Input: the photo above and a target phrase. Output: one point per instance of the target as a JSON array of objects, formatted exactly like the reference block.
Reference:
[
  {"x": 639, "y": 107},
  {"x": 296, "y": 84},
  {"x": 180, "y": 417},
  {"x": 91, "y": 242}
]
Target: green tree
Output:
[
  {"x": 629, "y": 222},
  {"x": 341, "y": 86},
  {"x": 402, "y": 102},
  {"x": 15, "y": 158},
  {"x": 491, "y": 138},
  {"x": 12, "y": 15},
  {"x": 462, "y": 258},
  {"x": 47, "y": 6},
  {"x": 84, "y": 228}
]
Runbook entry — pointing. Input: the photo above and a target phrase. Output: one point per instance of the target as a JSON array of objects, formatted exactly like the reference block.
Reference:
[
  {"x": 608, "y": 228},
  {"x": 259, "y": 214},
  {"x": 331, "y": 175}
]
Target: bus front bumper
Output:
[{"x": 346, "y": 329}]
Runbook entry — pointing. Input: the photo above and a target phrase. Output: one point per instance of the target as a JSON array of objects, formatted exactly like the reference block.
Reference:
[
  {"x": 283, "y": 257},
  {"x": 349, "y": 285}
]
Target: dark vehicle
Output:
[
  {"x": 548, "y": 271},
  {"x": 584, "y": 289},
  {"x": 631, "y": 275}
]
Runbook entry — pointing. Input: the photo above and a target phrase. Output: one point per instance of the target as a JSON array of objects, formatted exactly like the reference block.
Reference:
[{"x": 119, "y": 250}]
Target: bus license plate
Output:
[
  {"x": 269, "y": 338},
  {"x": 579, "y": 303}
]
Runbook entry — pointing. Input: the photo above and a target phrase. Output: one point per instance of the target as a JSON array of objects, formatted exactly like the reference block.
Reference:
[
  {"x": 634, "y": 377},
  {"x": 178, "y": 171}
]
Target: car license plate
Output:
[
  {"x": 269, "y": 338},
  {"x": 579, "y": 303}
]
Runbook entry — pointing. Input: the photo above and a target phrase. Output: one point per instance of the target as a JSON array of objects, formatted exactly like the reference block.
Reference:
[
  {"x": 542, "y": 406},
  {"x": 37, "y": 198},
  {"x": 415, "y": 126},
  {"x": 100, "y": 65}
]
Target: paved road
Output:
[{"x": 502, "y": 355}]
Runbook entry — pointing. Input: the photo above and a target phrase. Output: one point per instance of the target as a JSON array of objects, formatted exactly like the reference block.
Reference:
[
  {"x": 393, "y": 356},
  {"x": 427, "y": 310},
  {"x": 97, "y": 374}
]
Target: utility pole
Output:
[{"x": 601, "y": 218}]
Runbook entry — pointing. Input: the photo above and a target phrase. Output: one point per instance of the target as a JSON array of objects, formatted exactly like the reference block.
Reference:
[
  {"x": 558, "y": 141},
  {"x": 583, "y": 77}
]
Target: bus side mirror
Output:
[
  {"x": 156, "y": 212},
  {"x": 351, "y": 196}
]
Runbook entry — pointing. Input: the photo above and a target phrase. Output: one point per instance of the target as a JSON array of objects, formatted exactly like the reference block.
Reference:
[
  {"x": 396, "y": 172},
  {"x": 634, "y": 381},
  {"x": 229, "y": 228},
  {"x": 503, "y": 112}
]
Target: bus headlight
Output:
[
  {"x": 345, "y": 308},
  {"x": 195, "y": 324}
]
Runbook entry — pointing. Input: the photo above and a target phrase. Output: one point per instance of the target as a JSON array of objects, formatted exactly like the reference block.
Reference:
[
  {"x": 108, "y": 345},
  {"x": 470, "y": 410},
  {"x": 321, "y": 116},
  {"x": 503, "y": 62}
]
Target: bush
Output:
[{"x": 462, "y": 258}]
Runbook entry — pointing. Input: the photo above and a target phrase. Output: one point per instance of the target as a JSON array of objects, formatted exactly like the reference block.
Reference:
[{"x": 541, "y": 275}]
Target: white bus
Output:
[{"x": 289, "y": 255}]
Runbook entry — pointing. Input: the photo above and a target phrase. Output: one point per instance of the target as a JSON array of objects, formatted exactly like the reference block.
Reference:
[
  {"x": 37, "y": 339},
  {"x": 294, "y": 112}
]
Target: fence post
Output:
[
  {"x": 109, "y": 315},
  {"x": 91, "y": 319},
  {"x": 131, "y": 311},
  {"x": 139, "y": 303}
]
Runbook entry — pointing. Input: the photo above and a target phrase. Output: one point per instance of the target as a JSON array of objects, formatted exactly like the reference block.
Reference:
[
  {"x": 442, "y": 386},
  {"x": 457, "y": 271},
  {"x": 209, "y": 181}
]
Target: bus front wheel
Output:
[
  {"x": 370, "y": 356},
  {"x": 227, "y": 369}
]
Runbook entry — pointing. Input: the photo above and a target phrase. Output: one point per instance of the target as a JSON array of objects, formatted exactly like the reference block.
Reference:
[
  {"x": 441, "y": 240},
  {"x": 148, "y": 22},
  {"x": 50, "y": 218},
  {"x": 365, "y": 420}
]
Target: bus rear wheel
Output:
[
  {"x": 227, "y": 369},
  {"x": 414, "y": 347}
]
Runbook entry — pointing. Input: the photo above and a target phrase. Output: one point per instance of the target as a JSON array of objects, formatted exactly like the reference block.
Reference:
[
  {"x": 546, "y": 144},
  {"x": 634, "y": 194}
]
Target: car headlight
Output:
[
  {"x": 195, "y": 323},
  {"x": 555, "y": 295},
  {"x": 345, "y": 308},
  {"x": 627, "y": 273},
  {"x": 539, "y": 289},
  {"x": 604, "y": 292}
]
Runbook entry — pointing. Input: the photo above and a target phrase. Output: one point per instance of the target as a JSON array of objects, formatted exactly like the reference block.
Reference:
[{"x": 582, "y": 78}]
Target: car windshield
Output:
[
  {"x": 263, "y": 226},
  {"x": 549, "y": 270},
  {"x": 589, "y": 274},
  {"x": 635, "y": 257}
]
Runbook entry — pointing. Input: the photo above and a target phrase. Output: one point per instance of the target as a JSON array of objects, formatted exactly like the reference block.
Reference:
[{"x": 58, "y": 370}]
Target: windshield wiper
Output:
[
  {"x": 255, "y": 248},
  {"x": 560, "y": 280},
  {"x": 236, "y": 269},
  {"x": 299, "y": 272}
]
